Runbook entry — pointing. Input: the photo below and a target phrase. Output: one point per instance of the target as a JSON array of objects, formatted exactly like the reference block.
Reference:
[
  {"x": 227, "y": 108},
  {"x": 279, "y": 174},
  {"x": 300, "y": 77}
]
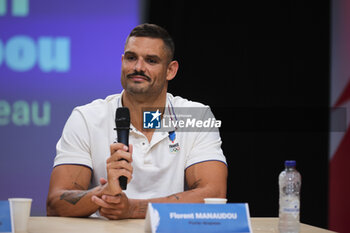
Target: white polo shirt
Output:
[{"x": 158, "y": 168}]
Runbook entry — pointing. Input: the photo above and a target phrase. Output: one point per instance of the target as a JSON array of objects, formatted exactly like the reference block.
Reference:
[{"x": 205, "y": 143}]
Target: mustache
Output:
[{"x": 139, "y": 73}]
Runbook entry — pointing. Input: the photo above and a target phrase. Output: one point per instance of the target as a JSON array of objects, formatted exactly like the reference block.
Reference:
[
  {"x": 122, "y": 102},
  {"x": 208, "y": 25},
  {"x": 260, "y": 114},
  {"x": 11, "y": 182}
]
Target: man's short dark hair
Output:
[{"x": 154, "y": 31}]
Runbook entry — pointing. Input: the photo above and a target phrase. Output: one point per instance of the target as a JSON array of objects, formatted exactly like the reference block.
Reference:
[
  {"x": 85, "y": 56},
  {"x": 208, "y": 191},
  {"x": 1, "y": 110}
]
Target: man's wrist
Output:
[
  {"x": 106, "y": 189},
  {"x": 138, "y": 208}
]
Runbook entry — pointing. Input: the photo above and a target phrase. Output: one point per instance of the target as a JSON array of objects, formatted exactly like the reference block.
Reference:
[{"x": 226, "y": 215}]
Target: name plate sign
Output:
[
  {"x": 5, "y": 217},
  {"x": 210, "y": 218}
]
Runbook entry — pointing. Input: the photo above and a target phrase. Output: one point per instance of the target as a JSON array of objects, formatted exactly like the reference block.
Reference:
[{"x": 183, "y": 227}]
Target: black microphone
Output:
[{"x": 122, "y": 123}]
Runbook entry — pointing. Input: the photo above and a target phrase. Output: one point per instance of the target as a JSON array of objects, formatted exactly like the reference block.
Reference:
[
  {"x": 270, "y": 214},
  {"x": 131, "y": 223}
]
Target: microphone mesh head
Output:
[{"x": 122, "y": 118}]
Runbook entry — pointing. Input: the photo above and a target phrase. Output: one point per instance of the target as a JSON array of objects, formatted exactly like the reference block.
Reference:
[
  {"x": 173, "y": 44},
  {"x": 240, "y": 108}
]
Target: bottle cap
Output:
[{"x": 290, "y": 163}]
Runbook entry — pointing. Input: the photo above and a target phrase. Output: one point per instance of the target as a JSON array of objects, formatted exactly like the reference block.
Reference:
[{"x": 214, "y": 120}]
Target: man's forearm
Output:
[
  {"x": 73, "y": 203},
  {"x": 197, "y": 195}
]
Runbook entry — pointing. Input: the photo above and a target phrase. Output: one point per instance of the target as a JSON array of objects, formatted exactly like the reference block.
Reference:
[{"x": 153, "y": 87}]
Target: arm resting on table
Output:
[{"x": 68, "y": 194}]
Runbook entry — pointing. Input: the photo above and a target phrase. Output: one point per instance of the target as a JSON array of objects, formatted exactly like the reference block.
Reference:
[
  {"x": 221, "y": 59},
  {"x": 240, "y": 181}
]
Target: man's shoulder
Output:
[
  {"x": 178, "y": 101},
  {"x": 99, "y": 106},
  {"x": 100, "y": 103}
]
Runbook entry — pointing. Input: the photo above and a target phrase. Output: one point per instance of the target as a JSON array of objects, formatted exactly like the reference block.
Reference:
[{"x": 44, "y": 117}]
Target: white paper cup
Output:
[
  {"x": 20, "y": 211},
  {"x": 215, "y": 200}
]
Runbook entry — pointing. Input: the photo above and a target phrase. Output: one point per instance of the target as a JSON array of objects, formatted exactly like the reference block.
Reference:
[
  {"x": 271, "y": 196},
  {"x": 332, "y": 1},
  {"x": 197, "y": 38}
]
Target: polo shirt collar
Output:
[{"x": 168, "y": 111}]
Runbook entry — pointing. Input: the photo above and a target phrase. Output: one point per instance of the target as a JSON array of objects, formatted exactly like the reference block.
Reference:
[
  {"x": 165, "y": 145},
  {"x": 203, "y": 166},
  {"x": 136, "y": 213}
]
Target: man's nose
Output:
[{"x": 140, "y": 65}]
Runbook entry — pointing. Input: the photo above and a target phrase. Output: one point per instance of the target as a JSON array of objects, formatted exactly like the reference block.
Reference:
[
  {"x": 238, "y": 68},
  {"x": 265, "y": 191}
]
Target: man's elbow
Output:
[
  {"x": 53, "y": 208},
  {"x": 215, "y": 192},
  {"x": 51, "y": 212},
  {"x": 50, "y": 208},
  {"x": 220, "y": 193}
]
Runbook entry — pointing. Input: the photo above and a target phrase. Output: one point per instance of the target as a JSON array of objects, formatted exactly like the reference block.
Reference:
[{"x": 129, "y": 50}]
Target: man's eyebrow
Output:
[
  {"x": 129, "y": 53},
  {"x": 153, "y": 56}
]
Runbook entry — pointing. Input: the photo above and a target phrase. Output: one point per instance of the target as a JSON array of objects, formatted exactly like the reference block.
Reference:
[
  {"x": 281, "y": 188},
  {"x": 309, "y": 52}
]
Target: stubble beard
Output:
[{"x": 135, "y": 88}]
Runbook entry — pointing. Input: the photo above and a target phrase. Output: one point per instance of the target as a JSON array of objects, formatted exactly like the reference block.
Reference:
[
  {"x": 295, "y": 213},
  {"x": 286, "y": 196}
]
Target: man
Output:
[{"x": 88, "y": 161}]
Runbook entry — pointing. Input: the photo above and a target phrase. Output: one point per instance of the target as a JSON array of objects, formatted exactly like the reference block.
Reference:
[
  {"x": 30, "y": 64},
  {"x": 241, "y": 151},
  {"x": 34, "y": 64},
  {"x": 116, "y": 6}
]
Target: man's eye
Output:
[
  {"x": 151, "y": 60},
  {"x": 131, "y": 58}
]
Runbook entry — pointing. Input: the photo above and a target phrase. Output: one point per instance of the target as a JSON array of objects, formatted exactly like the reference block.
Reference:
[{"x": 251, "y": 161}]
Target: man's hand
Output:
[
  {"x": 114, "y": 207},
  {"x": 113, "y": 203},
  {"x": 118, "y": 164}
]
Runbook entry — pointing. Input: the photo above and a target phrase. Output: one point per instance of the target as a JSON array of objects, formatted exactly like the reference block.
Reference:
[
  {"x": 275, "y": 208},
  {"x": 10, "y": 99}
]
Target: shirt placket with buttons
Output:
[{"x": 144, "y": 146}]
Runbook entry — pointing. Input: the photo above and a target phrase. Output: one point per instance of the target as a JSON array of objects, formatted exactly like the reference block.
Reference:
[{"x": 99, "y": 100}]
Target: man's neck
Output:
[{"x": 136, "y": 105}]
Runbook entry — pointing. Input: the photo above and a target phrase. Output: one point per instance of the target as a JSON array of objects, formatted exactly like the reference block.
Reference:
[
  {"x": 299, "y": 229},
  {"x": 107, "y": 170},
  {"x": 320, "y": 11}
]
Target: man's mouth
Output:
[{"x": 138, "y": 77}]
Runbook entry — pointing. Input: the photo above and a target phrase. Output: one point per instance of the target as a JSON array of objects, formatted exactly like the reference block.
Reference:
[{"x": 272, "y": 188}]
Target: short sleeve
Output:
[
  {"x": 73, "y": 146},
  {"x": 207, "y": 143},
  {"x": 207, "y": 147}
]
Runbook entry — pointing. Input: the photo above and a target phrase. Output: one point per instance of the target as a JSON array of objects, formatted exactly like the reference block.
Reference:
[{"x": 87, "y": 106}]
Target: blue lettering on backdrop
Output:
[
  {"x": 21, "y": 53},
  {"x": 5, "y": 111},
  {"x": 54, "y": 54},
  {"x": 20, "y": 8},
  {"x": 2, "y": 7},
  {"x": 22, "y": 113}
]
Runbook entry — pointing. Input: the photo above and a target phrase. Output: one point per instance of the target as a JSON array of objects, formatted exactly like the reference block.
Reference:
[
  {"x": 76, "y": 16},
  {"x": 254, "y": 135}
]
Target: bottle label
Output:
[{"x": 290, "y": 205}]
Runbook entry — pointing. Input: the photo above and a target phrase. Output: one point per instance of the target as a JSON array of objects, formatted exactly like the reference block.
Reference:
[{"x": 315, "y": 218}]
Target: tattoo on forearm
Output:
[
  {"x": 73, "y": 197},
  {"x": 174, "y": 195},
  {"x": 195, "y": 184},
  {"x": 78, "y": 186}
]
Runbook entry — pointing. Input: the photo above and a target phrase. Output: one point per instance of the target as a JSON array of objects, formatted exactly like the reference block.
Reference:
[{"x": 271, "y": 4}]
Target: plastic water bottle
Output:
[{"x": 289, "y": 182}]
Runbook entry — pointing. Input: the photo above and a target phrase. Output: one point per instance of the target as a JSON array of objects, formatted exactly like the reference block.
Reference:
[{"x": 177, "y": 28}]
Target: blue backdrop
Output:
[{"x": 54, "y": 55}]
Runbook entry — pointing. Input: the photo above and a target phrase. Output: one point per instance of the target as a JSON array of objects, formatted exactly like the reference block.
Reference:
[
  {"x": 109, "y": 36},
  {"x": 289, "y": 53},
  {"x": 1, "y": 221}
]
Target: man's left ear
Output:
[{"x": 172, "y": 70}]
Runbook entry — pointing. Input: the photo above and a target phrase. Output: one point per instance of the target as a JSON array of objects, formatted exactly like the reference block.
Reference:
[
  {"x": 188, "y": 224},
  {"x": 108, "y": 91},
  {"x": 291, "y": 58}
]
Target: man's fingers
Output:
[
  {"x": 103, "y": 204},
  {"x": 119, "y": 155},
  {"x": 120, "y": 165},
  {"x": 131, "y": 148},
  {"x": 109, "y": 206},
  {"x": 120, "y": 151},
  {"x": 110, "y": 213},
  {"x": 120, "y": 210},
  {"x": 99, "y": 202},
  {"x": 110, "y": 217},
  {"x": 103, "y": 181},
  {"x": 111, "y": 199},
  {"x": 118, "y": 146}
]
